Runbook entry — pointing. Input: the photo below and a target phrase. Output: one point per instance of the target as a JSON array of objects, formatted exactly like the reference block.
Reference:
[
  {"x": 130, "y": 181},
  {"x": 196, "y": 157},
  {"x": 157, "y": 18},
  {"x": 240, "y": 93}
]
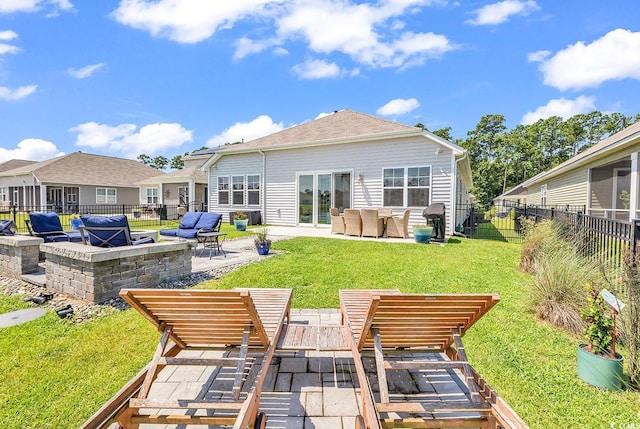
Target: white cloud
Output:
[
  {"x": 261, "y": 126},
  {"x": 16, "y": 94},
  {"x": 538, "y": 56},
  {"x": 28, "y": 6},
  {"x": 497, "y": 13},
  {"x": 31, "y": 149},
  {"x": 6, "y": 48},
  {"x": 358, "y": 30},
  {"x": 615, "y": 56},
  {"x": 316, "y": 69},
  {"x": 368, "y": 32},
  {"x": 560, "y": 107},
  {"x": 399, "y": 106},
  {"x": 186, "y": 21},
  {"x": 84, "y": 72},
  {"x": 130, "y": 141}
]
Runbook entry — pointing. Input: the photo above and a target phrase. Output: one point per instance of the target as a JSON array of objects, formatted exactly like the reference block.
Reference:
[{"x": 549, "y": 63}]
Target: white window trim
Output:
[
  {"x": 543, "y": 195},
  {"x": 405, "y": 184},
  {"x": 154, "y": 195},
  {"x": 106, "y": 196},
  {"x": 228, "y": 190},
  {"x": 4, "y": 193},
  {"x": 247, "y": 190}
]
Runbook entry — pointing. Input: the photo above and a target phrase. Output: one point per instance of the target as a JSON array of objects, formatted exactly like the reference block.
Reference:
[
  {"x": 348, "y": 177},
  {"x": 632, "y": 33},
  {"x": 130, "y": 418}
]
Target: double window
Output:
[
  {"x": 4, "y": 193},
  {"x": 406, "y": 186},
  {"x": 239, "y": 190},
  {"x": 152, "y": 195},
  {"x": 543, "y": 195},
  {"x": 105, "y": 195}
]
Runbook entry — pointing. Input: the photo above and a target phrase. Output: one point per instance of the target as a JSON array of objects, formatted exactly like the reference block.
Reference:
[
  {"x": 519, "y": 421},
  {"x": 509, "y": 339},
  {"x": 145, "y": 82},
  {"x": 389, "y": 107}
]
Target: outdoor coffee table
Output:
[{"x": 213, "y": 241}]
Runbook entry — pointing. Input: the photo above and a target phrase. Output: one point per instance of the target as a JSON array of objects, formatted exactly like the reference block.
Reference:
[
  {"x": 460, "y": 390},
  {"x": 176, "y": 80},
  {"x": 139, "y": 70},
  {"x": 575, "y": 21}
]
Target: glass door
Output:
[{"x": 318, "y": 192}]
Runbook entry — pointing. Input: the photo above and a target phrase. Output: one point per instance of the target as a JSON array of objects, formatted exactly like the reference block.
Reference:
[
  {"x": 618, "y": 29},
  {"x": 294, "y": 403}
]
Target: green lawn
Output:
[{"x": 57, "y": 374}]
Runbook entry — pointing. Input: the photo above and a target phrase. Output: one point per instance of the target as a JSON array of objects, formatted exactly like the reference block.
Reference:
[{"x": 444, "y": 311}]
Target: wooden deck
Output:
[{"x": 319, "y": 338}]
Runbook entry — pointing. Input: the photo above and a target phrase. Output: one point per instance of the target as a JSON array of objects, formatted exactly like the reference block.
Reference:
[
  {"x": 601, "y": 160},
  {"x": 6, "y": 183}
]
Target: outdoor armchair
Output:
[
  {"x": 372, "y": 224},
  {"x": 398, "y": 226},
  {"x": 193, "y": 223},
  {"x": 337, "y": 221},
  {"x": 108, "y": 231},
  {"x": 352, "y": 222},
  {"x": 48, "y": 227},
  {"x": 7, "y": 227}
]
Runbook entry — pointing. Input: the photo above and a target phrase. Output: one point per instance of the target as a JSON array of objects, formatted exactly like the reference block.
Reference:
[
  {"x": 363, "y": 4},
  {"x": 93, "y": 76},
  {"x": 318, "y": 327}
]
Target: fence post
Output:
[
  {"x": 635, "y": 235},
  {"x": 472, "y": 223}
]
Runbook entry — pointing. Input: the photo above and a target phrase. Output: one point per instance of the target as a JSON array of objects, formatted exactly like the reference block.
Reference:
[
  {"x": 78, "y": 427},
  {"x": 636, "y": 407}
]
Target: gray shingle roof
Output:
[
  {"x": 86, "y": 169},
  {"x": 14, "y": 163},
  {"x": 344, "y": 124},
  {"x": 178, "y": 176}
]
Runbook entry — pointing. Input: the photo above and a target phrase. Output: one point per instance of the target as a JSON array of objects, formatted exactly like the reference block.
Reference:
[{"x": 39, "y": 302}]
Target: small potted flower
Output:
[
  {"x": 262, "y": 242},
  {"x": 422, "y": 233},
  {"x": 75, "y": 221},
  {"x": 598, "y": 363},
  {"x": 240, "y": 220}
]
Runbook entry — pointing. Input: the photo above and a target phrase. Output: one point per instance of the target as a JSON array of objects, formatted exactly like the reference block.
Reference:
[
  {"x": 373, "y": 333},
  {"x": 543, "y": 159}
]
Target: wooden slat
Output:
[
  {"x": 183, "y": 404},
  {"x": 224, "y": 362},
  {"x": 183, "y": 420},
  {"x": 425, "y": 365},
  {"x": 383, "y": 387},
  {"x": 434, "y": 423},
  {"x": 432, "y": 407}
]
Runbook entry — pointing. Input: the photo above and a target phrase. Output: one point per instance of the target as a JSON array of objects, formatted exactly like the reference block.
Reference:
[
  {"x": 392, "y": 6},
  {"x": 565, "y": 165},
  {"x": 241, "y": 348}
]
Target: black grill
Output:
[{"x": 435, "y": 216}]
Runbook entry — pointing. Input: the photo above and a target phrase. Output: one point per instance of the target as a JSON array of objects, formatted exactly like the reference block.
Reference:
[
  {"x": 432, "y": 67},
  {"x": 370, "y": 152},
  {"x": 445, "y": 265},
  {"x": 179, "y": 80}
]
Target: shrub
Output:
[
  {"x": 598, "y": 323},
  {"x": 542, "y": 238},
  {"x": 630, "y": 318},
  {"x": 558, "y": 287}
]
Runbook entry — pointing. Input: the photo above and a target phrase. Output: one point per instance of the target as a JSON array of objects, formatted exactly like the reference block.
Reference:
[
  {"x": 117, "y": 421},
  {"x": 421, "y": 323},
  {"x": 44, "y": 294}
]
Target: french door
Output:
[{"x": 317, "y": 192}]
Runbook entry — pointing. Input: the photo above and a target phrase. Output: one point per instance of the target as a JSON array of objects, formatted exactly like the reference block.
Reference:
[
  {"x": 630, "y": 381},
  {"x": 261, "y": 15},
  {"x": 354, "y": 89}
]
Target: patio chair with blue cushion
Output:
[
  {"x": 108, "y": 231},
  {"x": 193, "y": 223},
  {"x": 7, "y": 227},
  {"x": 48, "y": 227}
]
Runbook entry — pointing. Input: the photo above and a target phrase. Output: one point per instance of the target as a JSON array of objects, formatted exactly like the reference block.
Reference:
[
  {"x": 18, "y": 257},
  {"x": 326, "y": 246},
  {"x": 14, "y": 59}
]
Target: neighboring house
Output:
[
  {"x": 344, "y": 160},
  {"x": 603, "y": 179},
  {"x": 185, "y": 187},
  {"x": 5, "y": 196},
  {"x": 65, "y": 182}
]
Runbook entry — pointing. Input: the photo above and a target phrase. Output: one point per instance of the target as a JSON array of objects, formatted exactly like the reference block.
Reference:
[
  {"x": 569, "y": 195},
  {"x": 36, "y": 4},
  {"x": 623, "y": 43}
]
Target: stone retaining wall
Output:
[
  {"x": 96, "y": 274},
  {"x": 19, "y": 255}
]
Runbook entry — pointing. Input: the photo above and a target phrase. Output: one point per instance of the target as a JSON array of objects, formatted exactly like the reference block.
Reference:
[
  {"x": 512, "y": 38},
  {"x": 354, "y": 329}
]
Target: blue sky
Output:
[{"x": 166, "y": 77}]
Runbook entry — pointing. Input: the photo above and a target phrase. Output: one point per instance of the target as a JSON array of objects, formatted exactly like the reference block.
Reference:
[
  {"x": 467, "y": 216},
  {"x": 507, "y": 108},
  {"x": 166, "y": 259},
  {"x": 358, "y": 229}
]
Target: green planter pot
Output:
[
  {"x": 422, "y": 235},
  {"x": 600, "y": 371},
  {"x": 241, "y": 224}
]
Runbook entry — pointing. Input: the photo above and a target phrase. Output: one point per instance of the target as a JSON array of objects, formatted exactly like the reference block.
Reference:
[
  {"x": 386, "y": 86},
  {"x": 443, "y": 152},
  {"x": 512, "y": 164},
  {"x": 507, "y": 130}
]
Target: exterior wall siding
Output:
[{"x": 367, "y": 158}]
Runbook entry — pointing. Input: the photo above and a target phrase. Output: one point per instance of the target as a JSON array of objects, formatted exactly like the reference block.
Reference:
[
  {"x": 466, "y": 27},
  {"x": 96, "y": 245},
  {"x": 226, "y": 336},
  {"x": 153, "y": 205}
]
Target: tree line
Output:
[{"x": 502, "y": 158}]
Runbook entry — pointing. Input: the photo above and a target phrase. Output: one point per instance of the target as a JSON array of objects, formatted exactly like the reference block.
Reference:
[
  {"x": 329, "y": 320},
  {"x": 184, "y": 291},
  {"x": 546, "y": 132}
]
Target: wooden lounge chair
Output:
[
  {"x": 243, "y": 323},
  {"x": 423, "y": 334}
]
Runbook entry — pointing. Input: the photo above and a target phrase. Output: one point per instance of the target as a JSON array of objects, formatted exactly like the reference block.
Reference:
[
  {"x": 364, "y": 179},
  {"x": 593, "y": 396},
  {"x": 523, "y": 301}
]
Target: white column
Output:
[
  {"x": 633, "y": 198},
  {"x": 43, "y": 197},
  {"x": 192, "y": 193}
]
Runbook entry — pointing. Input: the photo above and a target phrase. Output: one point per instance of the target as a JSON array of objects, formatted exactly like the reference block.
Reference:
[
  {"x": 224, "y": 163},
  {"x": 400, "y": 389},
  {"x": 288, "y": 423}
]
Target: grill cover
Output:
[{"x": 435, "y": 215}]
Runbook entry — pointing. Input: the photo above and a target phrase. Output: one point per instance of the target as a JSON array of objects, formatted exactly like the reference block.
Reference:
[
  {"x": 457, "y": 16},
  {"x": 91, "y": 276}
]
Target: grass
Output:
[{"x": 57, "y": 374}]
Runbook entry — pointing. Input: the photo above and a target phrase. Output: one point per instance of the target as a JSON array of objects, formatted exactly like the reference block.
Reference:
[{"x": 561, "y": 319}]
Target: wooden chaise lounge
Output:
[
  {"x": 421, "y": 334},
  {"x": 235, "y": 329}
]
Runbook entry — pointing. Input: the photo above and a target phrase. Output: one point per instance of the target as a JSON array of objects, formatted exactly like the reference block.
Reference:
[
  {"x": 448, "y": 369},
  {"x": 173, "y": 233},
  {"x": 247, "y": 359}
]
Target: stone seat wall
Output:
[
  {"x": 19, "y": 255},
  {"x": 97, "y": 274}
]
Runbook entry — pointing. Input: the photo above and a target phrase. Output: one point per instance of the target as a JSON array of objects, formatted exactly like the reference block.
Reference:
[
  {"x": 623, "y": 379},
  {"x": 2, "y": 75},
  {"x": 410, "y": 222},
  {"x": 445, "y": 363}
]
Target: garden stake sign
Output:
[{"x": 616, "y": 306}]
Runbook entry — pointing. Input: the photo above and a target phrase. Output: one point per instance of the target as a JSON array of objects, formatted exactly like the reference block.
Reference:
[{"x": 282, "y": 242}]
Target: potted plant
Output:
[
  {"x": 598, "y": 362},
  {"x": 262, "y": 242},
  {"x": 75, "y": 221},
  {"x": 422, "y": 233},
  {"x": 240, "y": 220},
  {"x": 137, "y": 212}
]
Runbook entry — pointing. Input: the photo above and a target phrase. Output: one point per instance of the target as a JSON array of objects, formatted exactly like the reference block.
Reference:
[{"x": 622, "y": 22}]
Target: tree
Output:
[
  {"x": 177, "y": 162},
  {"x": 160, "y": 162},
  {"x": 445, "y": 133},
  {"x": 145, "y": 159}
]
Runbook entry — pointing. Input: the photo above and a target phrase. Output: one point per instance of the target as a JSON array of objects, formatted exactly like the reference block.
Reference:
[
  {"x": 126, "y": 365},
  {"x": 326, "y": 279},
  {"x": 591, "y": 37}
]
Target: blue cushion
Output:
[
  {"x": 208, "y": 220},
  {"x": 189, "y": 220},
  {"x": 169, "y": 232},
  {"x": 5, "y": 227},
  {"x": 119, "y": 221},
  {"x": 74, "y": 236},
  {"x": 187, "y": 233},
  {"x": 45, "y": 222}
]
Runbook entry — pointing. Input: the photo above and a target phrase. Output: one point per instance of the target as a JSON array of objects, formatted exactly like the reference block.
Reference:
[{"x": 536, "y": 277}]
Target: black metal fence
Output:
[
  {"x": 139, "y": 216},
  {"x": 601, "y": 239}
]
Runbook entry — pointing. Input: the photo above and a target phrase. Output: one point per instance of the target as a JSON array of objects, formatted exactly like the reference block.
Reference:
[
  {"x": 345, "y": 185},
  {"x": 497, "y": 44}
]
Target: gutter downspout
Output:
[
  {"x": 263, "y": 186},
  {"x": 454, "y": 189}
]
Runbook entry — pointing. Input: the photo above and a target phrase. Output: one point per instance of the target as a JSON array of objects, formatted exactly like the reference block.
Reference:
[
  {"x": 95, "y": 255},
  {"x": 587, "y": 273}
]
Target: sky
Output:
[{"x": 166, "y": 77}]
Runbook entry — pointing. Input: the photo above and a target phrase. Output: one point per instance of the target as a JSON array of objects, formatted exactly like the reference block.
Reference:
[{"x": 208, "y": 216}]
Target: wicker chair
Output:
[
  {"x": 352, "y": 222},
  {"x": 385, "y": 211},
  {"x": 398, "y": 226},
  {"x": 337, "y": 221},
  {"x": 372, "y": 224}
]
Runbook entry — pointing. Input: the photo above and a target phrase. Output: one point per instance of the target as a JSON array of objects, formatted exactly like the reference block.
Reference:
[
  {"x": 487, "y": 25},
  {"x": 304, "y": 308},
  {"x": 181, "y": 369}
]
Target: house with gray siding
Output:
[
  {"x": 603, "y": 179},
  {"x": 68, "y": 181},
  {"x": 346, "y": 160}
]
